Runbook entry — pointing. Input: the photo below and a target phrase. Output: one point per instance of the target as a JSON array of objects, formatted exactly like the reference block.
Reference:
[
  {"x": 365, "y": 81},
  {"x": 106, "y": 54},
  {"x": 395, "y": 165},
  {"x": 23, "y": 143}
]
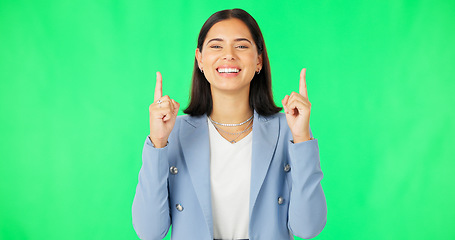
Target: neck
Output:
[{"x": 231, "y": 108}]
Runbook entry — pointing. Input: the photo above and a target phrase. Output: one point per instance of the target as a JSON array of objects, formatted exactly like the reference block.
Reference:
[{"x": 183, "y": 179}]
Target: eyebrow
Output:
[{"x": 235, "y": 40}]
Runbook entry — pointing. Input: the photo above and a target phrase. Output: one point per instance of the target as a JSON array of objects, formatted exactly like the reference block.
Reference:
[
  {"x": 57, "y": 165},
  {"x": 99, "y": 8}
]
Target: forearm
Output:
[
  {"x": 151, "y": 205},
  {"x": 307, "y": 209}
]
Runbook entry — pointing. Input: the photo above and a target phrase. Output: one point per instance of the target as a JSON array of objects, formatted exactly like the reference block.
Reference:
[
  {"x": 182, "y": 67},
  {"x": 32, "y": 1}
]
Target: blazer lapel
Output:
[
  {"x": 194, "y": 138},
  {"x": 265, "y": 136}
]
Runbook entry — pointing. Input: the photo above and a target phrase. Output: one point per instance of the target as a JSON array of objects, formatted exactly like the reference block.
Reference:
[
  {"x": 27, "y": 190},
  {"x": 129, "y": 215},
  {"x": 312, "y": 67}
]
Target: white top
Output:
[{"x": 230, "y": 173}]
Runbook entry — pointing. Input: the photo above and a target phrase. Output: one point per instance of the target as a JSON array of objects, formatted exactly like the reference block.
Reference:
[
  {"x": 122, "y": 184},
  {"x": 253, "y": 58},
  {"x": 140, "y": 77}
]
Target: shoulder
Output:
[
  {"x": 187, "y": 121},
  {"x": 276, "y": 119},
  {"x": 279, "y": 117},
  {"x": 191, "y": 120},
  {"x": 185, "y": 125}
]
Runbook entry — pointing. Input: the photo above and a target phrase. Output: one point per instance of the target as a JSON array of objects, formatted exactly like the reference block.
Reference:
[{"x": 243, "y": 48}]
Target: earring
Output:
[
  {"x": 201, "y": 70},
  {"x": 259, "y": 71}
]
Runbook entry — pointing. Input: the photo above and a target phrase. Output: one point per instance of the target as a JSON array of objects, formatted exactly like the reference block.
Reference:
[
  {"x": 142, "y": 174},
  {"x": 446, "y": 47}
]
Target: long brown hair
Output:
[{"x": 261, "y": 97}]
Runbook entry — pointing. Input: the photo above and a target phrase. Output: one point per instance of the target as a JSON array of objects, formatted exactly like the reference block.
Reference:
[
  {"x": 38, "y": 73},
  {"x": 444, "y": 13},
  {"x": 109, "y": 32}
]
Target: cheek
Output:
[
  {"x": 252, "y": 59},
  {"x": 209, "y": 58}
]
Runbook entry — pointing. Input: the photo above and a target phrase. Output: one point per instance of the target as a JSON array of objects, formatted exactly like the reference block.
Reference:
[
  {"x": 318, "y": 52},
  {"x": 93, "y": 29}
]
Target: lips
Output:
[{"x": 228, "y": 71}]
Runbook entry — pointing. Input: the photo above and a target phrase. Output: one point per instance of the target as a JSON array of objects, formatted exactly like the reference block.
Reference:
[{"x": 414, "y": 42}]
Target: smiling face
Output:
[{"x": 229, "y": 56}]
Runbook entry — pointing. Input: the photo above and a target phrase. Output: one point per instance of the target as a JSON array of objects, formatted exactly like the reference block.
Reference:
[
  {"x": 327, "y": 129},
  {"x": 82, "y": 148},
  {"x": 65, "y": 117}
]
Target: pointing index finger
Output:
[
  {"x": 302, "y": 86},
  {"x": 158, "y": 86}
]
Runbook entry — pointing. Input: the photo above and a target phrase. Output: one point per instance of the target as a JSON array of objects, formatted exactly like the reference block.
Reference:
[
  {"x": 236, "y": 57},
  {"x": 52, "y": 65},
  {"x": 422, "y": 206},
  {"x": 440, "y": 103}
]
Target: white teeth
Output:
[{"x": 228, "y": 70}]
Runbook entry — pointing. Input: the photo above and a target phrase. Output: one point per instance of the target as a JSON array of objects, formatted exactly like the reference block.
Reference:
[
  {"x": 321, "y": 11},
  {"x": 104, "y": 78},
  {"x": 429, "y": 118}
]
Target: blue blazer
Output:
[{"x": 286, "y": 196}]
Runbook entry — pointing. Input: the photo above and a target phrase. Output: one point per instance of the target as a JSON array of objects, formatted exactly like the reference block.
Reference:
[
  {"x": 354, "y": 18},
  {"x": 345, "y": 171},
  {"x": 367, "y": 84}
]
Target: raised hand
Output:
[
  {"x": 297, "y": 108},
  {"x": 163, "y": 112}
]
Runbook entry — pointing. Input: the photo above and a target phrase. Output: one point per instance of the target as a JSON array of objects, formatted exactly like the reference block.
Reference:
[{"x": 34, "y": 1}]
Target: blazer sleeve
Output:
[
  {"x": 151, "y": 219},
  {"x": 307, "y": 205}
]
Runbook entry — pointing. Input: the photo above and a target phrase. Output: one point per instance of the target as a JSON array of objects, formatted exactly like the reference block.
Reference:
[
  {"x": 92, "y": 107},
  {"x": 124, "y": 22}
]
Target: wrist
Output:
[
  {"x": 298, "y": 140},
  {"x": 302, "y": 138},
  {"x": 158, "y": 143}
]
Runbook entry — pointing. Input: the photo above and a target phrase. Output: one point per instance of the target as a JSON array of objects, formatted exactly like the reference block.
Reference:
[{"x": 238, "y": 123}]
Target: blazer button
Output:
[
  {"x": 173, "y": 170},
  {"x": 280, "y": 200},
  {"x": 287, "y": 168},
  {"x": 179, "y": 207}
]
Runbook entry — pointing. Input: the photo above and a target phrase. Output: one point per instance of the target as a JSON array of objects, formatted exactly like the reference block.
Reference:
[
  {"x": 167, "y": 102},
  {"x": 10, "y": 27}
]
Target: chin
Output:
[{"x": 232, "y": 88}]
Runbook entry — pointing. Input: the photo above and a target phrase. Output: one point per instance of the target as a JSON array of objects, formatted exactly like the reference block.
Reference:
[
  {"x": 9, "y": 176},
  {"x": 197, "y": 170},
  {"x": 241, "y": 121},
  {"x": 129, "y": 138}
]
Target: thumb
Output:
[
  {"x": 285, "y": 102},
  {"x": 176, "y": 106}
]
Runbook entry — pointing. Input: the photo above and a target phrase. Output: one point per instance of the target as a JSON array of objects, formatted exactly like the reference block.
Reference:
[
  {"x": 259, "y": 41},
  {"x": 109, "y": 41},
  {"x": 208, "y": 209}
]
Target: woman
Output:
[{"x": 234, "y": 167}]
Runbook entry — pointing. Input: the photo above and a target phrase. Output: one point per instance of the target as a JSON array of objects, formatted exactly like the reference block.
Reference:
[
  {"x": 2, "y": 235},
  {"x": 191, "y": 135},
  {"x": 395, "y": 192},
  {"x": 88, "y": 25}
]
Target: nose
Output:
[{"x": 229, "y": 53}]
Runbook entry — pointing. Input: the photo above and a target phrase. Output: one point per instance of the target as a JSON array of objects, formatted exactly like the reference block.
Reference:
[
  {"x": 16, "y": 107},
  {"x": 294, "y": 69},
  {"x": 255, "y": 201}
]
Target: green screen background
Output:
[{"x": 77, "y": 77}]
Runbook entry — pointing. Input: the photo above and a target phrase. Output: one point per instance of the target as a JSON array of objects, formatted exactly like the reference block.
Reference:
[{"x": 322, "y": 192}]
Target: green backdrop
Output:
[{"x": 77, "y": 77}]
